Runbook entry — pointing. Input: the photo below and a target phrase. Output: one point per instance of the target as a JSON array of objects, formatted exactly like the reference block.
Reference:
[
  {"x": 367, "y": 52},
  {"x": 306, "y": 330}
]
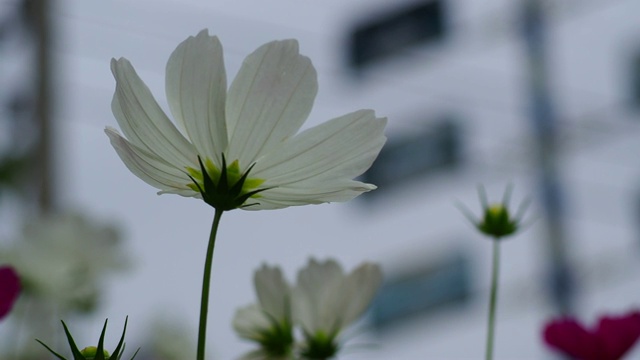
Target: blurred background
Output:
[{"x": 543, "y": 95}]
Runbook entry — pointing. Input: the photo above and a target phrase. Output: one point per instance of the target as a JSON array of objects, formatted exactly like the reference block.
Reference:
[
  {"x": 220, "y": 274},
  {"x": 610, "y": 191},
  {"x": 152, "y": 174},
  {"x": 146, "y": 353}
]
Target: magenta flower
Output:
[
  {"x": 9, "y": 289},
  {"x": 610, "y": 340}
]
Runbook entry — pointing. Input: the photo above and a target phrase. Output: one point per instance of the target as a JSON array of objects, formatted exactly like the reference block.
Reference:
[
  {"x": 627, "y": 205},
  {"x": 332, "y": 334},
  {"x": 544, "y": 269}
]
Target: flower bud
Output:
[
  {"x": 90, "y": 352},
  {"x": 497, "y": 222}
]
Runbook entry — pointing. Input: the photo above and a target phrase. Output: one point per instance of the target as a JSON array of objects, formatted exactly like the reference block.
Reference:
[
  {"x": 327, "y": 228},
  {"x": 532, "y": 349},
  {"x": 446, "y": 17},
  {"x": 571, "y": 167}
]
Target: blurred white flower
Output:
[
  {"x": 246, "y": 136},
  {"x": 170, "y": 340},
  {"x": 268, "y": 322},
  {"x": 326, "y": 301},
  {"x": 62, "y": 259}
]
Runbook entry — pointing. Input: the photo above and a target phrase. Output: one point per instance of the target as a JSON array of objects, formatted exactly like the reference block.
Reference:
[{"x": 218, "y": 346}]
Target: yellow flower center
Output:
[{"x": 496, "y": 210}]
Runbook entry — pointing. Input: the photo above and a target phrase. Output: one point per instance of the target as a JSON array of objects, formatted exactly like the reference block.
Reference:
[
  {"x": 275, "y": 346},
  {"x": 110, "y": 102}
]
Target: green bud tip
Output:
[
  {"x": 90, "y": 352},
  {"x": 497, "y": 211},
  {"x": 497, "y": 221}
]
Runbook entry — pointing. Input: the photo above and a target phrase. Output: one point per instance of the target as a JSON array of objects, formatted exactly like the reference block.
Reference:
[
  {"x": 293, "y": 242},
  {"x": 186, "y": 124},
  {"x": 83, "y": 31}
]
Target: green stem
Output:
[
  {"x": 493, "y": 297},
  {"x": 206, "y": 280}
]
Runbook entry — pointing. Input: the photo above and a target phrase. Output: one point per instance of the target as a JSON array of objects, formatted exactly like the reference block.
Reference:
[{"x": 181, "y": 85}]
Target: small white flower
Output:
[
  {"x": 249, "y": 129},
  {"x": 269, "y": 321},
  {"x": 63, "y": 258},
  {"x": 171, "y": 340},
  {"x": 326, "y": 300}
]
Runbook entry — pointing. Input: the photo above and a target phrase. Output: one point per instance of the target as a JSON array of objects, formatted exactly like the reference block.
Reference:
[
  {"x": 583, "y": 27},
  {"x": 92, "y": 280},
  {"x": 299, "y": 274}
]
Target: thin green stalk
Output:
[
  {"x": 493, "y": 297},
  {"x": 206, "y": 280}
]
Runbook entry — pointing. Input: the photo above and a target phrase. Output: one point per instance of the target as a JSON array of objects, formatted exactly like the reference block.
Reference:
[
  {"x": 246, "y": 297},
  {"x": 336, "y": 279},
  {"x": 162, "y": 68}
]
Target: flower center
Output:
[
  {"x": 233, "y": 175},
  {"x": 226, "y": 188},
  {"x": 277, "y": 341},
  {"x": 497, "y": 221},
  {"x": 320, "y": 346}
]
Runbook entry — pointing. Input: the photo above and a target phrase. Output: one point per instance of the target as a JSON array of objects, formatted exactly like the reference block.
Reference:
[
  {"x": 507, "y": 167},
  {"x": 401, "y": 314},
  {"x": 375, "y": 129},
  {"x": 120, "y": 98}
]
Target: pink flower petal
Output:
[
  {"x": 618, "y": 334},
  {"x": 611, "y": 340},
  {"x": 571, "y": 338},
  {"x": 9, "y": 289}
]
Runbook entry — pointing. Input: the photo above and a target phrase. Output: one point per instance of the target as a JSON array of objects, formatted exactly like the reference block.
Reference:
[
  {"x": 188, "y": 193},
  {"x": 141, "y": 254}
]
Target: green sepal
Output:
[
  {"x": 99, "y": 352},
  {"x": 320, "y": 346},
  {"x": 134, "y": 354},
  {"x": 51, "y": 351},
  {"x": 223, "y": 195},
  {"x": 223, "y": 182},
  {"x": 277, "y": 340},
  {"x": 117, "y": 353},
  {"x": 237, "y": 187},
  {"x": 497, "y": 221},
  {"x": 74, "y": 349}
]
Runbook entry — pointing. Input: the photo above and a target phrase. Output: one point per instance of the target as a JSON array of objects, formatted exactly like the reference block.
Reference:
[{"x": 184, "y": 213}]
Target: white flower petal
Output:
[
  {"x": 248, "y": 322},
  {"x": 316, "y": 296},
  {"x": 143, "y": 121},
  {"x": 309, "y": 192},
  {"x": 273, "y": 292},
  {"x": 339, "y": 149},
  {"x": 196, "y": 86},
  {"x": 326, "y": 300},
  {"x": 148, "y": 167},
  {"x": 360, "y": 288},
  {"x": 269, "y": 100}
]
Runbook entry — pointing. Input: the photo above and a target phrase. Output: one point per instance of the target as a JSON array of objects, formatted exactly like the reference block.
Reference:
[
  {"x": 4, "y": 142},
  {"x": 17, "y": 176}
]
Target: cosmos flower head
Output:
[
  {"x": 241, "y": 147},
  {"x": 57, "y": 262},
  {"x": 93, "y": 352},
  {"x": 497, "y": 221},
  {"x": 610, "y": 339},
  {"x": 327, "y": 300},
  {"x": 268, "y": 322},
  {"x": 323, "y": 303}
]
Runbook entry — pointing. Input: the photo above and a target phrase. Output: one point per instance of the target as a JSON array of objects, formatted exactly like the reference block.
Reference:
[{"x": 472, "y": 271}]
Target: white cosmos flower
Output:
[
  {"x": 64, "y": 258},
  {"x": 269, "y": 321},
  {"x": 326, "y": 300},
  {"x": 253, "y": 123},
  {"x": 170, "y": 339}
]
